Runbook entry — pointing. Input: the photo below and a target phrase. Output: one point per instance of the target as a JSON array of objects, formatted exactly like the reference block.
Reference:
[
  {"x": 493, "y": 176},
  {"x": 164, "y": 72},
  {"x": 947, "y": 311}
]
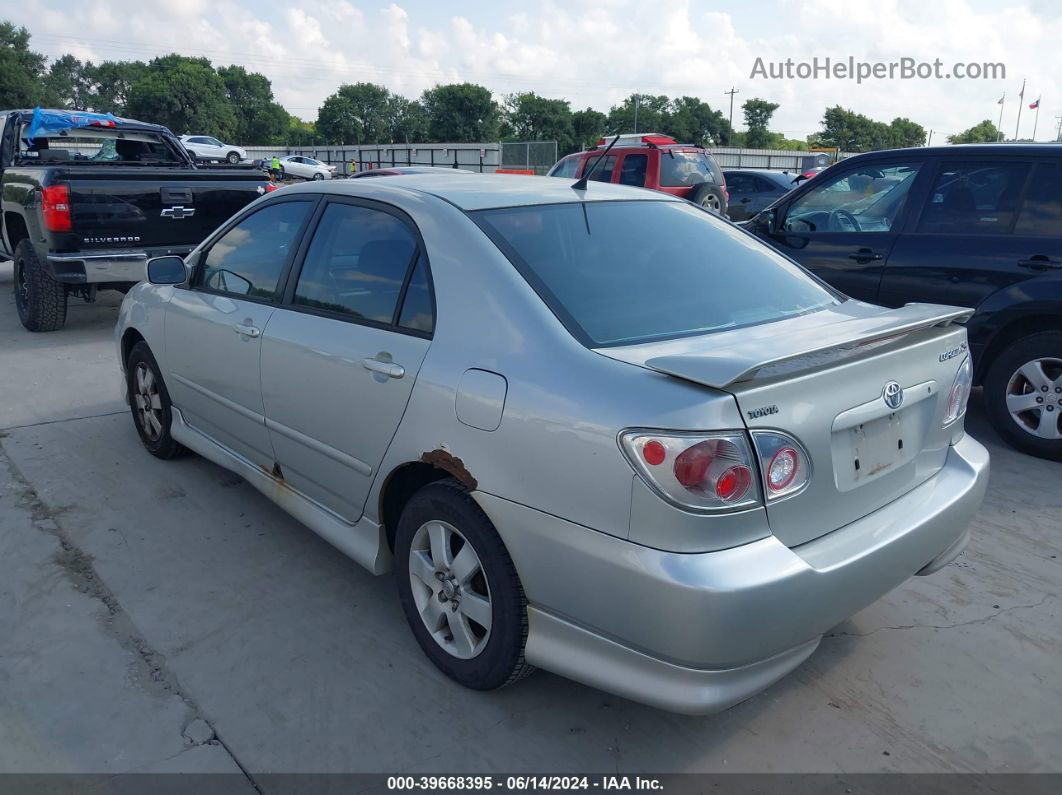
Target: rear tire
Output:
[
  {"x": 1023, "y": 394},
  {"x": 39, "y": 299},
  {"x": 710, "y": 197},
  {"x": 450, "y": 596},
  {"x": 149, "y": 401}
]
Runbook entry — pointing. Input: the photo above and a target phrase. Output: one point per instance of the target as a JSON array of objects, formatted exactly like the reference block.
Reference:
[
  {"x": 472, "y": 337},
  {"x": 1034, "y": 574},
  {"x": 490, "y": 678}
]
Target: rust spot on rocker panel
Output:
[{"x": 452, "y": 464}]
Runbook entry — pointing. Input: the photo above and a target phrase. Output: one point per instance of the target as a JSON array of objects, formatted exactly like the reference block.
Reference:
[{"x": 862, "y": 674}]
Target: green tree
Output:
[
  {"x": 460, "y": 113},
  {"x": 186, "y": 95},
  {"x": 758, "y": 114},
  {"x": 639, "y": 113},
  {"x": 853, "y": 132},
  {"x": 259, "y": 119},
  {"x": 985, "y": 132},
  {"x": 111, "y": 83},
  {"x": 907, "y": 133},
  {"x": 406, "y": 122},
  {"x": 529, "y": 117},
  {"x": 300, "y": 133},
  {"x": 689, "y": 119},
  {"x": 355, "y": 114},
  {"x": 21, "y": 69},
  {"x": 67, "y": 84},
  {"x": 587, "y": 128}
]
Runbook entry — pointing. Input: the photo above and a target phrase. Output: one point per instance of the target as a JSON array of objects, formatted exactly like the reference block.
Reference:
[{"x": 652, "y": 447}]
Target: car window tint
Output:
[
  {"x": 765, "y": 185},
  {"x": 566, "y": 167},
  {"x": 868, "y": 199},
  {"x": 978, "y": 198},
  {"x": 632, "y": 172},
  {"x": 249, "y": 258},
  {"x": 356, "y": 263},
  {"x": 740, "y": 183},
  {"x": 680, "y": 169},
  {"x": 1041, "y": 214},
  {"x": 603, "y": 170},
  {"x": 634, "y": 271},
  {"x": 417, "y": 312}
]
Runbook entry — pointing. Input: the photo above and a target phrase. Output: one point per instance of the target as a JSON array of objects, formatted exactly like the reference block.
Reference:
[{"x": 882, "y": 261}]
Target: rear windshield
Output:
[
  {"x": 681, "y": 169},
  {"x": 87, "y": 145},
  {"x": 624, "y": 272}
]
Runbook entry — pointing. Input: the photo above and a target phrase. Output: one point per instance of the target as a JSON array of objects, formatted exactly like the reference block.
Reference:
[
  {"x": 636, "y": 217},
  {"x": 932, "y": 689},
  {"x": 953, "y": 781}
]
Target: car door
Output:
[
  {"x": 743, "y": 190},
  {"x": 213, "y": 327},
  {"x": 967, "y": 242},
  {"x": 340, "y": 358},
  {"x": 842, "y": 227}
]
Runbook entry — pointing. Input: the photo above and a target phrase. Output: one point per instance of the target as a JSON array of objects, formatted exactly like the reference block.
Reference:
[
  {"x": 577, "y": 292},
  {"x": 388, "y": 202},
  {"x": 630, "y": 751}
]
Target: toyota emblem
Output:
[{"x": 892, "y": 394}]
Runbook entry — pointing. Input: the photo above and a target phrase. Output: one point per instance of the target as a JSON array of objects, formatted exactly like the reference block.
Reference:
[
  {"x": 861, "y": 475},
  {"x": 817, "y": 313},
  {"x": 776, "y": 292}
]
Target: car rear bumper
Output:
[{"x": 698, "y": 633}]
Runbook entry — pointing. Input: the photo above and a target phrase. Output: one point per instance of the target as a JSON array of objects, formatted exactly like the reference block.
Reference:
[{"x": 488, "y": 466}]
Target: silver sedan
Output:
[{"x": 598, "y": 431}]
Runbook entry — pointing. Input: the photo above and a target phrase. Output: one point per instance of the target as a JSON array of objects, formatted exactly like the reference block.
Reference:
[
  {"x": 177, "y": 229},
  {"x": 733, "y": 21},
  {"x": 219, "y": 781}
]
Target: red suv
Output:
[{"x": 657, "y": 162}]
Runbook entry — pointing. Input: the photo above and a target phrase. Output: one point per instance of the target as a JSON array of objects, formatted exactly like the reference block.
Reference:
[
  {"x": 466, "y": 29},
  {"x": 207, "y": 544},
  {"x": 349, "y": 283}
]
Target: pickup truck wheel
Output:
[
  {"x": 1023, "y": 394},
  {"x": 150, "y": 403},
  {"x": 233, "y": 157},
  {"x": 39, "y": 299},
  {"x": 459, "y": 588}
]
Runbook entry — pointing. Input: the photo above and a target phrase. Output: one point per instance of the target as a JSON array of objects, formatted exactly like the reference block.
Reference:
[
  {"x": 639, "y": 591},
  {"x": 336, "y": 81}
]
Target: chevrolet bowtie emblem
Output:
[{"x": 178, "y": 212}]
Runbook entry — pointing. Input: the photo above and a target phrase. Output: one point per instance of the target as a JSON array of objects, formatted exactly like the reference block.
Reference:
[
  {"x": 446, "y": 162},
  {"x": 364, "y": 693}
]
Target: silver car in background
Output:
[{"x": 597, "y": 431}]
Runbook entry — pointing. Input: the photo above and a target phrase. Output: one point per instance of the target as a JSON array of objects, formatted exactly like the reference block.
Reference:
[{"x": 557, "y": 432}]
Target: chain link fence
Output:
[{"x": 533, "y": 156}]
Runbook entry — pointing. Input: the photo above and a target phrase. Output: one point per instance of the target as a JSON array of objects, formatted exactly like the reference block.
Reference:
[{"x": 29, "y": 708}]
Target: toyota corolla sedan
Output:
[{"x": 601, "y": 431}]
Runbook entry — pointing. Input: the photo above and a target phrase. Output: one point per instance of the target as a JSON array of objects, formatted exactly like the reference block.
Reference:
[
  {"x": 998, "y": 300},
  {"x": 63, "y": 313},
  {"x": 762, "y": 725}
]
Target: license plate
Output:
[{"x": 876, "y": 446}]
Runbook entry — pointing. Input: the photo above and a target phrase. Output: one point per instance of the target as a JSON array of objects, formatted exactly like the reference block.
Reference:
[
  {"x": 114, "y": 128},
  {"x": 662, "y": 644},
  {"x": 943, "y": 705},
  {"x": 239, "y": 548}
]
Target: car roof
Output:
[
  {"x": 761, "y": 171},
  {"x": 963, "y": 150},
  {"x": 484, "y": 191}
]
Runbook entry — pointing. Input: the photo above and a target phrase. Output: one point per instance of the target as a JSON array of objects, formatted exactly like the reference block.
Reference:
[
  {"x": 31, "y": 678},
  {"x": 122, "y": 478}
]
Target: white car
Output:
[
  {"x": 205, "y": 147},
  {"x": 305, "y": 167}
]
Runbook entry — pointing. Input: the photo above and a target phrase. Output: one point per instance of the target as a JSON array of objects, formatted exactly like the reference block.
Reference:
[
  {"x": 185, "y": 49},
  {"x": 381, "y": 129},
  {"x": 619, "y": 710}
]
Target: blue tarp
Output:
[{"x": 47, "y": 122}]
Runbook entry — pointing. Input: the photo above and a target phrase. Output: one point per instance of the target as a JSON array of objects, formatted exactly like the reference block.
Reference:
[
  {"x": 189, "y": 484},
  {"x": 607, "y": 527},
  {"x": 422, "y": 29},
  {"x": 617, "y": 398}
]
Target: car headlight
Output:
[{"x": 955, "y": 407}]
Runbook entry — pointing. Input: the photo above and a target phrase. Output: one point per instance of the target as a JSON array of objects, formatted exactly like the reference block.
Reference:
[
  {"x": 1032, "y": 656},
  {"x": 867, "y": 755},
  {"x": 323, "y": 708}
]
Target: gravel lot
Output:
[{"x": 166, "y": 617}]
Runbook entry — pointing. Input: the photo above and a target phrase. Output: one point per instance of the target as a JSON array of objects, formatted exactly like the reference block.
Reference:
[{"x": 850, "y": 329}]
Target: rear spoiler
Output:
[{"x": 743, "y": 360}]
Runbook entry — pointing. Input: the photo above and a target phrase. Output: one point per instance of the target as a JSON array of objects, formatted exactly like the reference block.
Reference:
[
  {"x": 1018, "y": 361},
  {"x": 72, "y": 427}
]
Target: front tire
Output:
[
  {"x": 318, "y": 175},
  {"x": 149, "y": 401},
  {"x": 233, "y": 157},
  {"x": 39, "y": 299},
  {"x": 1023, "y": 394},
  {"x": 459, "y": 589}
]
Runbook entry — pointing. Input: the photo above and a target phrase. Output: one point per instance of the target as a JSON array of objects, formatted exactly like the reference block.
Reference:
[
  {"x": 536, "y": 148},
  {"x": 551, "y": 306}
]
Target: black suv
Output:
[{"x": 977, "y": 226}]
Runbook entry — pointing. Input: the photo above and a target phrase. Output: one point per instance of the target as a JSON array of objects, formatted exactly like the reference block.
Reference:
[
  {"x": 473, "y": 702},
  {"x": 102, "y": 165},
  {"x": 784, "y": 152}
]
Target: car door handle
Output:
[
  {"x": 865, "y": 255},
  {"x": 390, "y": 369},
  {"x": 746, "y": 200},
  {"x": 246, "y": 330},
  {"x": 1039, "y": 263}
]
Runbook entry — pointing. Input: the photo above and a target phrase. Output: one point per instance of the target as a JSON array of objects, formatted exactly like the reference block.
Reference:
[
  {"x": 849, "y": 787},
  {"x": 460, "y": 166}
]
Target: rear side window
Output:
[
  {"x": 974, "y": 198},
  {"x": 357, "y": 264},
  {"x": 567, "y": 167},
  {"x": 632, "y": 172},
  {"x": 248, "y": 259},
  {"x": 1041, "y": 214},
  {"x": 683, "y": 169},
  {"x": 603, "y": 170},
  {"x": 622, "y": 272},
  {"x": 418, "y": 309}
]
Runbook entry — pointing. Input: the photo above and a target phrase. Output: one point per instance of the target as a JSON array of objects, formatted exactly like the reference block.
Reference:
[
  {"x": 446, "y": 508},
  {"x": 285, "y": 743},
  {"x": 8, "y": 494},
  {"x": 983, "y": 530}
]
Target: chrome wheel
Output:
[
  {"x": 1034, "y": 397},
  {"x": 148, "y": 402},
  {"x": 450, "y": 589}
]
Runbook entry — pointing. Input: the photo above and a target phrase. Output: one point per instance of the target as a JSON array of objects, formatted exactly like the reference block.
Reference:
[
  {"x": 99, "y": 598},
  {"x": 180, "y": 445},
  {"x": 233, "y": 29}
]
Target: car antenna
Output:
[{"x": 581, "y": 182}]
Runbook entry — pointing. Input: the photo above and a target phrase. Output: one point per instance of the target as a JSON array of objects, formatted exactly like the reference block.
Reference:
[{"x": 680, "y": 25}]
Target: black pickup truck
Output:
[{"x": 88, "y": 199}]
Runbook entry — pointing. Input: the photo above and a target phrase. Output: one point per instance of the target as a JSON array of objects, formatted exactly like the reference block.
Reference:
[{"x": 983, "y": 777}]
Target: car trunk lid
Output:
[{"x": 821, "y": 379}]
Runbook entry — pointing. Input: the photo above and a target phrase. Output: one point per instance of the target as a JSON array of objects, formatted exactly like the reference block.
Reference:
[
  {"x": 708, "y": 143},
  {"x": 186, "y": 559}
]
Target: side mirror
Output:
[
  {"x": 167, "y": 270},
  {"x": 765, "y": 221}
]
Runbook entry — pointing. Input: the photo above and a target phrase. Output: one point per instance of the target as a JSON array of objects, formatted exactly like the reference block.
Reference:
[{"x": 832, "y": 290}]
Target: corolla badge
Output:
[{"x": 892, "y": 394}]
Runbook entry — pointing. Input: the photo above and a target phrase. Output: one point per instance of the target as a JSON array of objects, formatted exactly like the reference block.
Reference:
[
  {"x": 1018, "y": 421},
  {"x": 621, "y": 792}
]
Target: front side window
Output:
[
  {"x": 1041, "y": 214},
  {"x": 684, "y": 169},
  {"x": 623, "y": 272},
  {"x": 868, "y": 199},
  {"x": 356, "y": 264},
  {"x": 248, "y": 260},
  {"x": 567, "y": 167},
  {"x": 974, "y": 198},
  {"x": 214, "y": 142},
  {"x": 741, "y": 183}
]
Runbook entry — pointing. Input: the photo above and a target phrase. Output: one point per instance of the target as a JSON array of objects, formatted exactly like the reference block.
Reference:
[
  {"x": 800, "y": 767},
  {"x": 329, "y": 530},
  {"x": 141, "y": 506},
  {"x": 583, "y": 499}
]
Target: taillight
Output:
[
  {"x": 270, "y": 187},
  {"x": 55, "y": 206},
  {"x": 959, "y": 393},
  {"x": 786, "y": 467},
  {"x": 699, "y": 471}
]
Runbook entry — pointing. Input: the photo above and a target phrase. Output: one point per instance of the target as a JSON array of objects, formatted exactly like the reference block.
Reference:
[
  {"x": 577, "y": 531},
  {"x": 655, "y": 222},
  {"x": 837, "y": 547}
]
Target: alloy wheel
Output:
[
  {"x": 711, "y": 202},
  {"x": 450, "y": 589},
  {"x": 1034, "y": 397},
  {"x": 148, "y": 402}
]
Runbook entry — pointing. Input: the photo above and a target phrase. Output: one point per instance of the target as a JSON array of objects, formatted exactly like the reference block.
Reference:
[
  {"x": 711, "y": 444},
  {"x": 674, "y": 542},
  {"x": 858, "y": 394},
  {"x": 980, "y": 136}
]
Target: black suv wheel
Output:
[{"x": 39, "y": 299}]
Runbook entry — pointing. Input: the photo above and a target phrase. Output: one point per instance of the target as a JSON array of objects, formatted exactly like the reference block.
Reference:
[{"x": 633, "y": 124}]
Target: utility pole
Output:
[
  {"x": 930, "y": 141},
  {"x": 1059, "y": 136},
  {"x": 636, "y": 98},
  {"x": 730, "y": 137}
]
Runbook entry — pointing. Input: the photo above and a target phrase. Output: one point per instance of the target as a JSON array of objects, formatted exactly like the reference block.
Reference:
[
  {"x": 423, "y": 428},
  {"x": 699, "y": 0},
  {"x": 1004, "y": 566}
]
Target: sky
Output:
[{"x": 595, "y": 52}]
